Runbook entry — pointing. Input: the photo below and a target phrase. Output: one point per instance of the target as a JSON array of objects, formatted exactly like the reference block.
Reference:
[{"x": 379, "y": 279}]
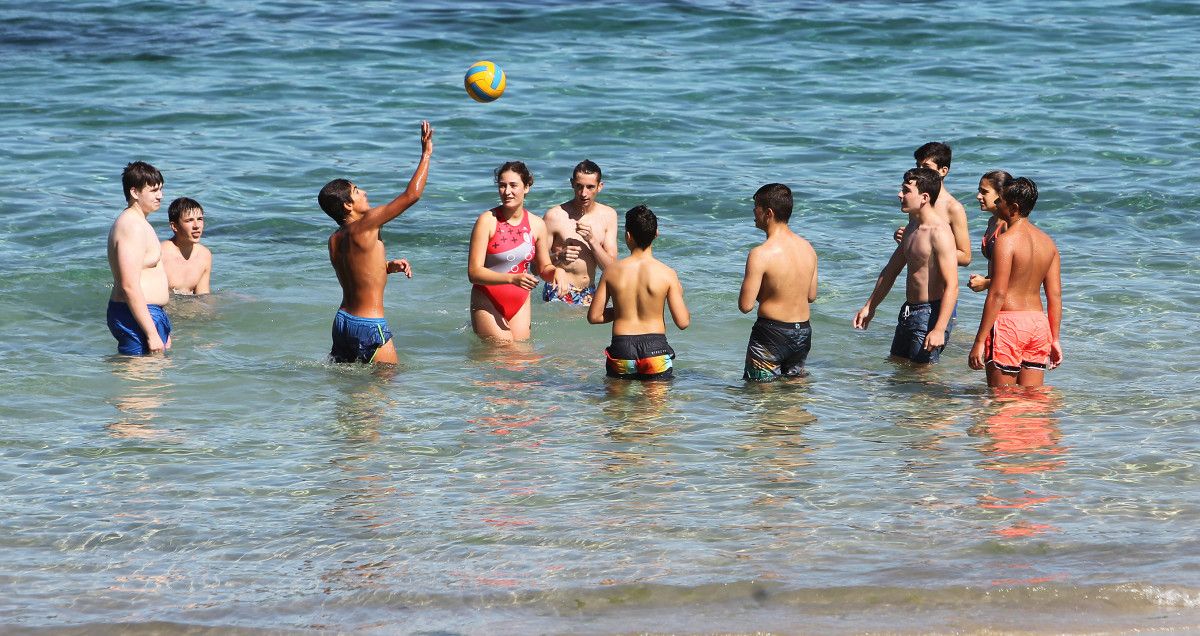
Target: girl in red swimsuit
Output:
[
  {"x": 991, "y": 184},
  {"x": 506, "y": 240}
]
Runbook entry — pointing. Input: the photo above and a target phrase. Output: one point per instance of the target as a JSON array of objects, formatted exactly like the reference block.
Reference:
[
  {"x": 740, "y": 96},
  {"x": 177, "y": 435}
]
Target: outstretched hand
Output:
[{"x": 399, "y": 266}]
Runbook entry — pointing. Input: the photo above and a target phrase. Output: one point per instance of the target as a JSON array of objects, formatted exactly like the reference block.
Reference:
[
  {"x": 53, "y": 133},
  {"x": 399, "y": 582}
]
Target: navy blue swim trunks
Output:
[
  {"x": 912, "y": 325},
  {"x": 357, "y": 339}
]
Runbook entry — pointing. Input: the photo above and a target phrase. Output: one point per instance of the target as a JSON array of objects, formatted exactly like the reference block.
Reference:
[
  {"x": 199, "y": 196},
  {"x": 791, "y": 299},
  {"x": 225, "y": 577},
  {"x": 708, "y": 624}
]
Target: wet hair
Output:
[
  {"x": 587, "y": 166},
  {"x": 998, "y": 180},
  {"x": 936, "y": 150},
  {"x": 334, "y": 197},
  {"x": 138, "y": 175},
  {"x": 181, "y": 205},
  {"x": 517, "y": 167},
  {"x": 642, "y": 225},
  {"x": 778, "y": 198},
  {"x": 1021, "y": 192},
  {"x": 928, "y": 182}
]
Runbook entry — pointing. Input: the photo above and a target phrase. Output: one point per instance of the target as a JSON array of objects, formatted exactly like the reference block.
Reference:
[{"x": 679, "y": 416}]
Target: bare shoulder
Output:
[
  {"x": 536, "y": 222},
  {"x": 605, "y": 213},
  {"x": 556, "y": 213},
  {"x": 203, "y": 252}
]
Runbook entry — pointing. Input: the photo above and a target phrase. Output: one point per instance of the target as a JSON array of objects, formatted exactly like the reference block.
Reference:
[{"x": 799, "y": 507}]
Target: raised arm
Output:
[
  {"x": 883, "y": 285},
  {"x": 376, "y": 217},
  {"x": 751, "y": 281}
]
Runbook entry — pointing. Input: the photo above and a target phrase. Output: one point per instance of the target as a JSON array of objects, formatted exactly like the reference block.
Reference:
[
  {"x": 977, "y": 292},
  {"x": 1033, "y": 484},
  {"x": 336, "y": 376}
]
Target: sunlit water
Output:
[{"x": 243, "y": 482}]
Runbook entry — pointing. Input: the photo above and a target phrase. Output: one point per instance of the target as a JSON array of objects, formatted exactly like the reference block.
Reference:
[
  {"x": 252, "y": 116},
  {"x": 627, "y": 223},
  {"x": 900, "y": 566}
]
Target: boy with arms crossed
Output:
[
  {"x": 640, "y": 286},
  {"x": 135, "y": 313},
  {"x": 931, "y": 286},
  {"x": 583, "y": 236},
  {"x": 781, "y": 274},
  {"x": 188, "y": 263},
  {"x": 360, "y": 333},
  {"x": 1016, "y": 340}
]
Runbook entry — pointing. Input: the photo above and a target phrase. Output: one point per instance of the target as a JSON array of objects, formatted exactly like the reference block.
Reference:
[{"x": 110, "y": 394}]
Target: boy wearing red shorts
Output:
[{"x": 1017, "y": 340}]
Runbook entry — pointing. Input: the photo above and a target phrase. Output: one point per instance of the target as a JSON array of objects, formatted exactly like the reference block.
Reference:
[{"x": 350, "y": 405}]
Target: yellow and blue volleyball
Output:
[{"x": 484, "y": 81}]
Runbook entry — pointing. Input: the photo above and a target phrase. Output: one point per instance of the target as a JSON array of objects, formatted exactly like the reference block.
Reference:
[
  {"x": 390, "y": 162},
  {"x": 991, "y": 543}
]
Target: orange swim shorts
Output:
[{"x": 1019, "y": 339}]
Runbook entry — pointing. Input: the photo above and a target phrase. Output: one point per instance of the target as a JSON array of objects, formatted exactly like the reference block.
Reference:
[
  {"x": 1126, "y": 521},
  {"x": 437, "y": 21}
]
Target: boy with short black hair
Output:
[
  {"x": 781, "y": 275},
  {"x": 136, "y": 317},
  {"x": 641, "y": 287},
  {"x": 360, "y": 333},
  {"x": 188, "y": 263},
  {"x": 931, "y": 286}
]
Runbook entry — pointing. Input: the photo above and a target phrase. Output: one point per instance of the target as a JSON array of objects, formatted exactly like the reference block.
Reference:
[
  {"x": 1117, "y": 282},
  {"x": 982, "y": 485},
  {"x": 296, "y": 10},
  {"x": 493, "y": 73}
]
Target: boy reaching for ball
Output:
[
  {"x": 360, "y": 333},
  {"x": 641, "y": 286}
]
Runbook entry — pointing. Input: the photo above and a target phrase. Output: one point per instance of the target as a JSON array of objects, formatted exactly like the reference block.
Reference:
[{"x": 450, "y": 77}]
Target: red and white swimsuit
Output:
[{"x": 510, "y": 250}]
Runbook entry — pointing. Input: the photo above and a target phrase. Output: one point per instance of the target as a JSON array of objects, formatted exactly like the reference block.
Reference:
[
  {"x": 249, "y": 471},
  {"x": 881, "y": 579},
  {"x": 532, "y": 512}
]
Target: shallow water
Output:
[{"x": 243, "y": 482}]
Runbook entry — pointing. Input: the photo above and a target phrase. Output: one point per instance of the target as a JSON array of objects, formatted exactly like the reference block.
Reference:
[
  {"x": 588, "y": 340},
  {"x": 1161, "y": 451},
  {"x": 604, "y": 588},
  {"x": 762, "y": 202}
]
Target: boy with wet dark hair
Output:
[
  {"x": 188, "y": 263},
  {"x": 641, "y": 287},
  {"x": 360, "y": 333},
  {"x": 583, "y": 234},
  {"x": 1017, "y": 341},
  {"x": 781, "y": 275},
  {"x": 135, "y": 315},
  {"x": 931, "y": 287},
  {"x": 935, "y": 155}
]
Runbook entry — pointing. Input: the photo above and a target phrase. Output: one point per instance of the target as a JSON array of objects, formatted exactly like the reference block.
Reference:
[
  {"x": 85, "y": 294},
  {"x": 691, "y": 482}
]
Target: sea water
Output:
[{"x": 244, "y": 483}]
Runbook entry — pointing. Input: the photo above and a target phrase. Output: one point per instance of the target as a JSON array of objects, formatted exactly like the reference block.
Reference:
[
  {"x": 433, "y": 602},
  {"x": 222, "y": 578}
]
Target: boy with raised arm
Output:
[
  {"x": 781, "y": 275},
  {"x": 1017, "y": 341},
  {"x": 360, "y": 333},
  {"x": 583, "y": 235},
  {"x": 931, "y": 286},
  {"x": 640, "y": 287},
  {"x": 188, "y": 263},
  {"x": 135, "y": 308}
]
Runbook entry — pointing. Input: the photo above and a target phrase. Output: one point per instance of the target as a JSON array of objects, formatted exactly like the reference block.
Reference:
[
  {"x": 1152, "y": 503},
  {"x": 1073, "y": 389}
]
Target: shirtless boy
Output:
[
  {"x": 188, "y": 263},
  {"x": 935, "y": 155},
  {"x": 639, "y": 285},
  {"x": 1017, "y": 341},
  {"x": 781, "y": 275},
  {"x": 360, "y": 333},
  {"x": 135, "y": 307},
  {"x": 583, "y": 235},
  {"x": 931, "y": 286}
]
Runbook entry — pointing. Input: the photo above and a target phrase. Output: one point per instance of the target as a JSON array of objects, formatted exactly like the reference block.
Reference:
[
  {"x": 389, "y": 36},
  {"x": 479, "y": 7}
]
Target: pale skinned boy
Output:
[
  {"x": 360, "y": 332},
  {"x": 931, "y": 285},
  {"x": 583, "y": 234},
  {"x": 781, "y": 276},
  {"x": 640, "y": 287},
  {"x": 1017, "y": 341},
  {"x": 188, "y": 263},
  {"x": 135, "y": 315}
]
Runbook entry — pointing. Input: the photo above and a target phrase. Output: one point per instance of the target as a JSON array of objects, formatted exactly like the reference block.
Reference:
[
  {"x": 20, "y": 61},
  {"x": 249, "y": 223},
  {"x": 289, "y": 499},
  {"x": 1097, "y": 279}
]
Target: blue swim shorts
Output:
[
  {"x": 357, "y": 339},
  {"x": 571, "y": 294},
  {"x": 912, "y": 325},
  {"x": 124, "y": 327}
]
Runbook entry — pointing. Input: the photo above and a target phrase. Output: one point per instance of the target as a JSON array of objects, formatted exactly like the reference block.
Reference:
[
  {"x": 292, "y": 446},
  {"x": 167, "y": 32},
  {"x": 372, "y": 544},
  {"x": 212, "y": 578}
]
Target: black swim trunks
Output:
[
  {"x": 777, "y": 349},
  {"x": 912, "y": 325},
  {"x": 642, "y": 357}
]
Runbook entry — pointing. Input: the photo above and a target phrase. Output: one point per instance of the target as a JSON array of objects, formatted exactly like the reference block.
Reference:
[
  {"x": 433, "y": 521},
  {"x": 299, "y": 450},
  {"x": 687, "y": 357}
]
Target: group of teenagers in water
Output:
[{"x": 512, "y": 250}]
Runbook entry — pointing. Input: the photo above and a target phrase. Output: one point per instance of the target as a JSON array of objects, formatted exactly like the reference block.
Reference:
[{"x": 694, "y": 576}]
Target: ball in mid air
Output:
[{"x": 484, "y": 81}]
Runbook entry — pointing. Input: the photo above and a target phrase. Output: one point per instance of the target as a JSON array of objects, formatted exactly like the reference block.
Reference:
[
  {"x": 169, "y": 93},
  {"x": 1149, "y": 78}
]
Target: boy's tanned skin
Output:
[
  {"x": 640, "y": 287},
  {"x": 1025, "y": 261},
  {"x": 188, "y": 263},
  {"x": 357, "y": 253},
  {"x": 781, "y": 275},
  {"x": 583, "y": 233},
  {"x": 135, "y": 258},
  {"x": 928, "y": 251},
  {"x": 948, "y": 207}
]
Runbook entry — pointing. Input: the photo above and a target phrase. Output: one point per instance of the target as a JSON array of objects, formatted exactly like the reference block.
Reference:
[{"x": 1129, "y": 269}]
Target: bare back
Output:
[
  {"x": 924, "y": 245},
  {"x": 781, "y": 274},
  {"x": 359, "y": 259},
  {"x": 1033, "y": 253},
  {"x": 640, "y": 287}
]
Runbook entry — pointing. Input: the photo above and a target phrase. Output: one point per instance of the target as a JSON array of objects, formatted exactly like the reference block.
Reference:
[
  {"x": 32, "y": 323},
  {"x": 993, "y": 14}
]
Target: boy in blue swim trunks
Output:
[
  {"x": 781, "y": 275},
  {"x": 583, "y": 236},
  {"x": 931, "y": 286},
  {"x": 641, "y": 287},
  {"x": 135, "y": 308},
  {"x": 360, "y": 333}
]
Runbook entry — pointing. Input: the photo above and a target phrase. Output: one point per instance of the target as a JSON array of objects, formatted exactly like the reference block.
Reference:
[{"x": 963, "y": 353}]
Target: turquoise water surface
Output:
[{"x": 244, "y": 483}]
